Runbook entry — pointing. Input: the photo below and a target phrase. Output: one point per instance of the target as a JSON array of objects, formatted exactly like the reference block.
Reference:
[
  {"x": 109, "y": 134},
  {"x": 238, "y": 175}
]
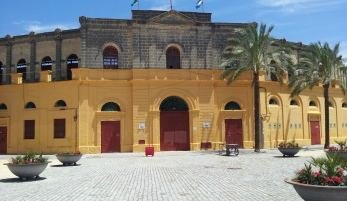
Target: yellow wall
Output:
[{"x": 139, "y": 93}]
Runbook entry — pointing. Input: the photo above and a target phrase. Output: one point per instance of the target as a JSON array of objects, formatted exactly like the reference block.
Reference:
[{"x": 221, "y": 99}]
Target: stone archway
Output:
[{"x": 174, "y": 124}]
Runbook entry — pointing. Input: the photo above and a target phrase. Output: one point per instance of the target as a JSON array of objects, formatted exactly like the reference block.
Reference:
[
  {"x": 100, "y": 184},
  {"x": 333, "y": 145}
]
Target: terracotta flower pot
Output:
[
  {"x": 69, "y": 159},
  {"x": 319, "y": 193},
  {"x": 290, "y": 151},
  {"x": 24, "y": 171}
]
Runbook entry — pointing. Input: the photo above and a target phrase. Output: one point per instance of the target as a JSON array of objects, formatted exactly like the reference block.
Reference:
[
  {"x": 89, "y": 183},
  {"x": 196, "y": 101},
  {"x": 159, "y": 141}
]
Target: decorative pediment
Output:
[{"x": 172, "y": 17}]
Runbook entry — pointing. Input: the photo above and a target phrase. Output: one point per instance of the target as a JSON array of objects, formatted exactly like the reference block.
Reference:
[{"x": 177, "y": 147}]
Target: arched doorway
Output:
[
  {"x": 174, "y": 125},
  {"x": 22, "y": 68},
  {"x": 233, "y": 127},
  {"x": 46, "y": 64},
  {"x": 173, "y": 58},
  {"x": 110, "y": 130},
  {"x": 72, "y": 62}
]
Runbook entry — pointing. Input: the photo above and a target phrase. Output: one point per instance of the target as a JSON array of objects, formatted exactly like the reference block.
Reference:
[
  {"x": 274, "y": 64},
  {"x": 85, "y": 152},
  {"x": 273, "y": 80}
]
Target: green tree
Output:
[
  {"x": 318, "y": 63},
  {"x": 254, "y": 49}
]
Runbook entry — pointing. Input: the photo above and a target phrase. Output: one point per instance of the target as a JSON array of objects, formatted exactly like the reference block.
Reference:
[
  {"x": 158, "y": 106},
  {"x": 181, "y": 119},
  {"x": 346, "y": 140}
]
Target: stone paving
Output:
[{"x": 188, "y": 175}]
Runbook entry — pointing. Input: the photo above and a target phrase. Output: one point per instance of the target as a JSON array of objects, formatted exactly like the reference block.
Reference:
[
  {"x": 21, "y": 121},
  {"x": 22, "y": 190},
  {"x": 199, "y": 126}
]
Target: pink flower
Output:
[
  {"x": 302, "y": 171},
  {"x": 337, "y": 179},
  {"x": 317, "y": 173},
  {"x": 340, "y": 170}
]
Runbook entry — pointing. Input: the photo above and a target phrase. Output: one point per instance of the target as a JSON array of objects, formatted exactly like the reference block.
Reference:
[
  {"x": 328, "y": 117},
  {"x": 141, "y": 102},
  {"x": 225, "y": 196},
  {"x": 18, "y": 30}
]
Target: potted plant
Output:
[
  {"x": 324, "y": 178},
  {"x": 28, "y": 165},
  {"x": 289, "y": 148},
  {"x": 69, "y": 157},
  {"x": 342, "y": 150}
]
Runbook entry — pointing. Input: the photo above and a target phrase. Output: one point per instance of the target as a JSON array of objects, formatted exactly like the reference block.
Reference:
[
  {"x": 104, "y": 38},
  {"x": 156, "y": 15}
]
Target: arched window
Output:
[
  {"x": 72, "y": 62},
  {"x": 293, "y": 102},
  {"x": 1, "y": 72},
  {"x": 173, "y": 103},
  {"x": 273, "y": 101},
  {"x": 173, "y": 59},
  {"x": 232, "y": 106},
  {"x": 110, "y": 57},
  {"x": 233, "y": 64},
  {"x": 60, "y": 103},
  {"x": 110, "y": 106},
  {"x": 312, "y": 103},
  {"x": 330, "y": 104},
  {"x": 46, "y": 64},
  {"x": 30, "y": 105},
  {"x": 3, "y": 106},
  {"x": 22, "y": 68},
  {"x": 344, "y": 105}
]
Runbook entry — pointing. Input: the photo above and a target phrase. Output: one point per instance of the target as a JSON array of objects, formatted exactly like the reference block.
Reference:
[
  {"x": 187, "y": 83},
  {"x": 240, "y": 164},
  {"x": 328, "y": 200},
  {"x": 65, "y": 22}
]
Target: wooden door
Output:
[
  {"x": 174, "y": 131},
  {"x": 233, "y": 132},
  {"x": 315, "y": 132},
  {"x": 3, "y": 140},
  {"x": 110, "y": 136}
]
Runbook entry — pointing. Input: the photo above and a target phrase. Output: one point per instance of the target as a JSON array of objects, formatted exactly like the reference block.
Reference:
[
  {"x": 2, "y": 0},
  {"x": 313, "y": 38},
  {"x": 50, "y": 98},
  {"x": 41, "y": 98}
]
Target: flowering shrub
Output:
[
  {"x": 69, "y": 153},
  {"x": 288, "y": 144},
  {"x": 28, "y": 158},
  {"x": 342, "y": 147},
  {"x": 332, "y": 148},
  {"x": 326, "y": 171}
]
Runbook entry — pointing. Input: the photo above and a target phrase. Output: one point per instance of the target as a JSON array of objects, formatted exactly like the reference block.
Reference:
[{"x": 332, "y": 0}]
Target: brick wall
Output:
[{"x": 141, "y": 42}]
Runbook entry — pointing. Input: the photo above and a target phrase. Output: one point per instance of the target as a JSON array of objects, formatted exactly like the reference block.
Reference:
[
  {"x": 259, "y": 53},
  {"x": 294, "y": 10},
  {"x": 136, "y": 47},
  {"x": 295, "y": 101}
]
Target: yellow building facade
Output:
[{"x": 106, "y": 93}]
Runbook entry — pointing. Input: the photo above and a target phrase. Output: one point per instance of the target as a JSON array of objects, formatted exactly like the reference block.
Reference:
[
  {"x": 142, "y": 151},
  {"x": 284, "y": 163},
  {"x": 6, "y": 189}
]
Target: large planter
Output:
[
  {"x": 69, "y": 159},
  {"x": 291, "y": 151},
  {"x": 24, "y": 171},
  {"x": 343, "y": 154},
  {"x": 319, "y": 193}
]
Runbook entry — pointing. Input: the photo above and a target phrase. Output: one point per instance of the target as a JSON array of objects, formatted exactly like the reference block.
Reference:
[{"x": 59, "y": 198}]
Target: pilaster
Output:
[{"x": 57, "y": 74}]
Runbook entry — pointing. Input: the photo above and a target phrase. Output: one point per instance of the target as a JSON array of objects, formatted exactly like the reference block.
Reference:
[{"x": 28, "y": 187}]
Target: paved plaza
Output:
[{"x": 188, "y": 175}]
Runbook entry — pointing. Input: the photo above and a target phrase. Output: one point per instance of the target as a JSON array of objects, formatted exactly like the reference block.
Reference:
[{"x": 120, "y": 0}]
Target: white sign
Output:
[
  {"x": 142, "y": 125},
  {"x": 206, "y": 124}
]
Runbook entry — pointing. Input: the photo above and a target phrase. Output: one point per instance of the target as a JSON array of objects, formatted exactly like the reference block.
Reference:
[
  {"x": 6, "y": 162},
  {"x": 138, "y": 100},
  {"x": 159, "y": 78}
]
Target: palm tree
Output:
[
  {"x": 251, "y": 50},
  {"x": 318, "y": 64}
]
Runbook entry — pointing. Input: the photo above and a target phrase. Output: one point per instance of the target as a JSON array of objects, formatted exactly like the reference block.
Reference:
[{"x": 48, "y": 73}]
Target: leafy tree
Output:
[
  {"x": 252, "y": 50},
  {"x": 318, "y": 64}
]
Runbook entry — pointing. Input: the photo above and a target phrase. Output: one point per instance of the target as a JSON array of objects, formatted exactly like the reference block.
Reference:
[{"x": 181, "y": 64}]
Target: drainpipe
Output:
[
  {"x": 263, "y": 116},
  {"x": 262, "y": 132}
]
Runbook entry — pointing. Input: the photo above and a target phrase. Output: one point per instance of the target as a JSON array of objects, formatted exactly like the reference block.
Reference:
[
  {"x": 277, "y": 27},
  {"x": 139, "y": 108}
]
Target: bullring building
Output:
[{"x": 120, "y": 85}]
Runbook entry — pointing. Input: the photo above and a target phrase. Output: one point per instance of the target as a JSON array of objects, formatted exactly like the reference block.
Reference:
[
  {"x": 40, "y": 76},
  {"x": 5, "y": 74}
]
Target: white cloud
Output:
[
  {"x": 300, "y": 6},
  {"x": 276, "y": 3},
  {"x": 162, "y": 7},
  {"x": 39, "y": 28}
]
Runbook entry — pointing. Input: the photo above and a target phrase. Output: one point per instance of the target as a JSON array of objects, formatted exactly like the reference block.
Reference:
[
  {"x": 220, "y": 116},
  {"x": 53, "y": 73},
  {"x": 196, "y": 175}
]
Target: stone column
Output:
[
  {"x": 31, "y": 71},
  {"x": 83, "y": 29},
  {"x": 57, "y": 75},
  {"x": 7, "y": 69}
]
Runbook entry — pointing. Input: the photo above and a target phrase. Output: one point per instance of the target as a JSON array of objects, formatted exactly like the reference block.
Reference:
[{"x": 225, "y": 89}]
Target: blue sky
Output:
[{"x": 303, "y": 21}]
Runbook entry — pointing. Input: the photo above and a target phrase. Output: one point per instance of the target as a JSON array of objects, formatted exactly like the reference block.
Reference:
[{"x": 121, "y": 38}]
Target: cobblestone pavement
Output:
[{"x": 188, "y": 175}]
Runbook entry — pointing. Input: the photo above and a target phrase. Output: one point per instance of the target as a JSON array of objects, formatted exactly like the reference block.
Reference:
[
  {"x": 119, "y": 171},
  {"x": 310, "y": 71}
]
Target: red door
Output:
[
  {"x": 110, "y": 136},
  {"x": 174, "y": 131},
  {"x": 233, "y": 132},
  {"x": 3, "y": 140},
  {"x": 315, "y": 132}
]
